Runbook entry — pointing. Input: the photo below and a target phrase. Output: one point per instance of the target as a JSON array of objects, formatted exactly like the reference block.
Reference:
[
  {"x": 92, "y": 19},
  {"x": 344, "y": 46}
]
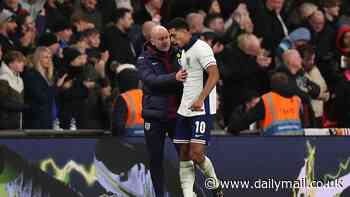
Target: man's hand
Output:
[
  {"x": 60, "y": 81},
  {"x": 89, "y": 84},
  {"x": 68, "y": 84},
  {"x": 263, "y": 58},
  {"x": 181, "y": 75},
  {"x": 197, "y": 106}
]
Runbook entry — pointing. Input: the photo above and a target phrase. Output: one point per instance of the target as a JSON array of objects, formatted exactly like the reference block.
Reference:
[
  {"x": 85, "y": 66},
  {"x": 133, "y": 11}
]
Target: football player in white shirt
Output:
[{"x": 197, "y": 106}]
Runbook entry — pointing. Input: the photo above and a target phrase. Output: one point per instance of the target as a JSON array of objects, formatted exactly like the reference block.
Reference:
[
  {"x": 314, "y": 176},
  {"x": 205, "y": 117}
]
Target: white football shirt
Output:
[{"x": 196, "y": 60}]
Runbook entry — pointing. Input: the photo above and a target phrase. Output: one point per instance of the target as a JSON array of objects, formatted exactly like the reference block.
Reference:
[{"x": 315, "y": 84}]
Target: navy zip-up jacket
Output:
[{"x": 160, "y": 87}]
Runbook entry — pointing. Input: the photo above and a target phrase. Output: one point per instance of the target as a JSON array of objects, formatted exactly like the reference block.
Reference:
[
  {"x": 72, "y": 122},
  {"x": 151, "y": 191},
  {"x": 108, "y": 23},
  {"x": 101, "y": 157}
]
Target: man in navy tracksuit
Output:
[{"x": 162, "y": 88}]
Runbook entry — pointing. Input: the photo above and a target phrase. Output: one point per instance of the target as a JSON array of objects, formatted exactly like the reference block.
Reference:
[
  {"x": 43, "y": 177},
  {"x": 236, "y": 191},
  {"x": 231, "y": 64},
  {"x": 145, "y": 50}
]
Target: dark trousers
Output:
[{"x": 155, "y": 133}]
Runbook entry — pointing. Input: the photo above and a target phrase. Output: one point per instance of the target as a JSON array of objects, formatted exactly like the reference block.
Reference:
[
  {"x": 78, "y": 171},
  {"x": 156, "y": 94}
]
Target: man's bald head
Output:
[
  {"x": 195, "y": 22},
  {"x": 249, "y": 43},
  {"x": 317, "y": 21},
  {"x": 160, "y": 38},
  {"x": 293, "y": 60},
  {"x": 147, "y": 28}
]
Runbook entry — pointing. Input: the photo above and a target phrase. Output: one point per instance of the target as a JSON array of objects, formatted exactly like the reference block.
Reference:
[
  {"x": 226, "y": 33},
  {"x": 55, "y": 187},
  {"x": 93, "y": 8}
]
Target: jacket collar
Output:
[{"x": 190, "y": 43}]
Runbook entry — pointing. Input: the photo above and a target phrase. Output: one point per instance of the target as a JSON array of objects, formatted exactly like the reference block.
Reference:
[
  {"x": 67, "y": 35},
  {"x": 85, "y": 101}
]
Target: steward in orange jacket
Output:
[
  {"x": 127, "y": 107},
  {"x": 278, "y": 112}
]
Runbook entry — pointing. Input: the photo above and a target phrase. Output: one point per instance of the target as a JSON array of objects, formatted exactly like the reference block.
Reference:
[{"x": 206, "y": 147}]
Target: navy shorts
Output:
[{"x": 194, "y": 129}]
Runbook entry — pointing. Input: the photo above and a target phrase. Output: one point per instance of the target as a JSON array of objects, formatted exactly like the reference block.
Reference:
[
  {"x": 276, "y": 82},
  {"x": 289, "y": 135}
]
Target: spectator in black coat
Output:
[
  {"x": 342, "y": 100},
  {"x": 116, "y": 39},
  {"x": 302, "y": 86},
  {"x": 268, "y": 22},
  {"x": 243, "y": 67},
  {"x": 8, "y": 28},
  {"x": 39, "y": 91},
  {"x": 74, "y": 90},
  {"x": 157, "y": 11},
  {"x": 331, "y": 10},
  {"x": 54, "y": 14},
  {"x": 88, "y": 10},
  {"x": 323, "y": 39}
]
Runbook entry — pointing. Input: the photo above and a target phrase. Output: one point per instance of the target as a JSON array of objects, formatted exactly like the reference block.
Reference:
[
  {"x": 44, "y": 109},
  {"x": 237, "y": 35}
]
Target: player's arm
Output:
[
  {"x": 206, "y": 58},
  {"x": 213, "y": 78}
]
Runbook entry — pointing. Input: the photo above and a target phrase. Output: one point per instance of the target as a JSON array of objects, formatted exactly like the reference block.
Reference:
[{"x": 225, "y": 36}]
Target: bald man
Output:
[
  {"x": 293, "y": 60},
  {"x": 317, "y": 21},
  {"x": 162, "y": 86},
  {"x": 147, "y": 28},
  {"x": 195, "y": 22},
  {"x": 302, "y": 86},
  {"x": 143, "y": 37}
]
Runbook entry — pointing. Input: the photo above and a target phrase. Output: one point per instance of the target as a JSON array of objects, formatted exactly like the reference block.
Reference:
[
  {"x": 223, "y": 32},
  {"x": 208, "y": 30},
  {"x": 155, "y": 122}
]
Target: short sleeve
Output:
[{"x": 206, "y": 56}]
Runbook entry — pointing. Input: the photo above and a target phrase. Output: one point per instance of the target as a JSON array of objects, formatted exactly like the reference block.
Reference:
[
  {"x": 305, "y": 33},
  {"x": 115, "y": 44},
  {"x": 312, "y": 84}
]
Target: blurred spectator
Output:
[
  {"x": 300, "y": 14},
  {"x": 343, "y": 39},
  {"x": 196, "y": 23},
  {"x": 268, "y": 23},
  {"x": 92, "y": 39},
  {"x": 154, "y": 10},
  {"x": 89, "y": 11},
  {"x": 63, "y": 31},
  {"x": 302, "y": 86},
  {"x": 342, "y": 99},
  {"x": 216, "y": 23},
  {"x": 26, "y": 34},
  {"x": 8, "y": 27},
  {"x": 50, "y": 41},
  {"x": 297, "y": 38},
  {"x": 144, "y": 37},
  {"x": 211, "y": 7},
  {"x": 94, "y": 71},
  {"x": 54, "y": 14},
  {"x": 86, "y": 39},
  {"x": 11, "y": 91},
  {"x": 13, "y": 6},
  {"x": 241, "y": 17},
  {"x": 331, "y": 9},
  {"x": 313, "y": 74},
  {"x": 124, "y": 51},
  {"x": 322, "y": 38},
  {"x": 278, "y": 111},
  {"x": 81, "y": 24},
  {"x": 34, "y": 7},
  {"x": 39, "y": 91},
  {"x": 243, "y": 67},
  {"x": 74, "y": 90}
]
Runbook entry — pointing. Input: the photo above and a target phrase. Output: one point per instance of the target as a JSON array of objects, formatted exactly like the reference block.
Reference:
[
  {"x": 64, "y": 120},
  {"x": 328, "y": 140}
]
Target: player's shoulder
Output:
[{"x": 200, "y": 44}]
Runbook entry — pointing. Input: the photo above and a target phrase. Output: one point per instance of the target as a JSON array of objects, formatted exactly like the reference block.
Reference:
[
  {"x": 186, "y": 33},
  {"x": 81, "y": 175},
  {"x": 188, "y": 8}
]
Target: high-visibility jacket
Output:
[
  {"x": 282, "y": 115},
  {"x": 133, "y": 100}
]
